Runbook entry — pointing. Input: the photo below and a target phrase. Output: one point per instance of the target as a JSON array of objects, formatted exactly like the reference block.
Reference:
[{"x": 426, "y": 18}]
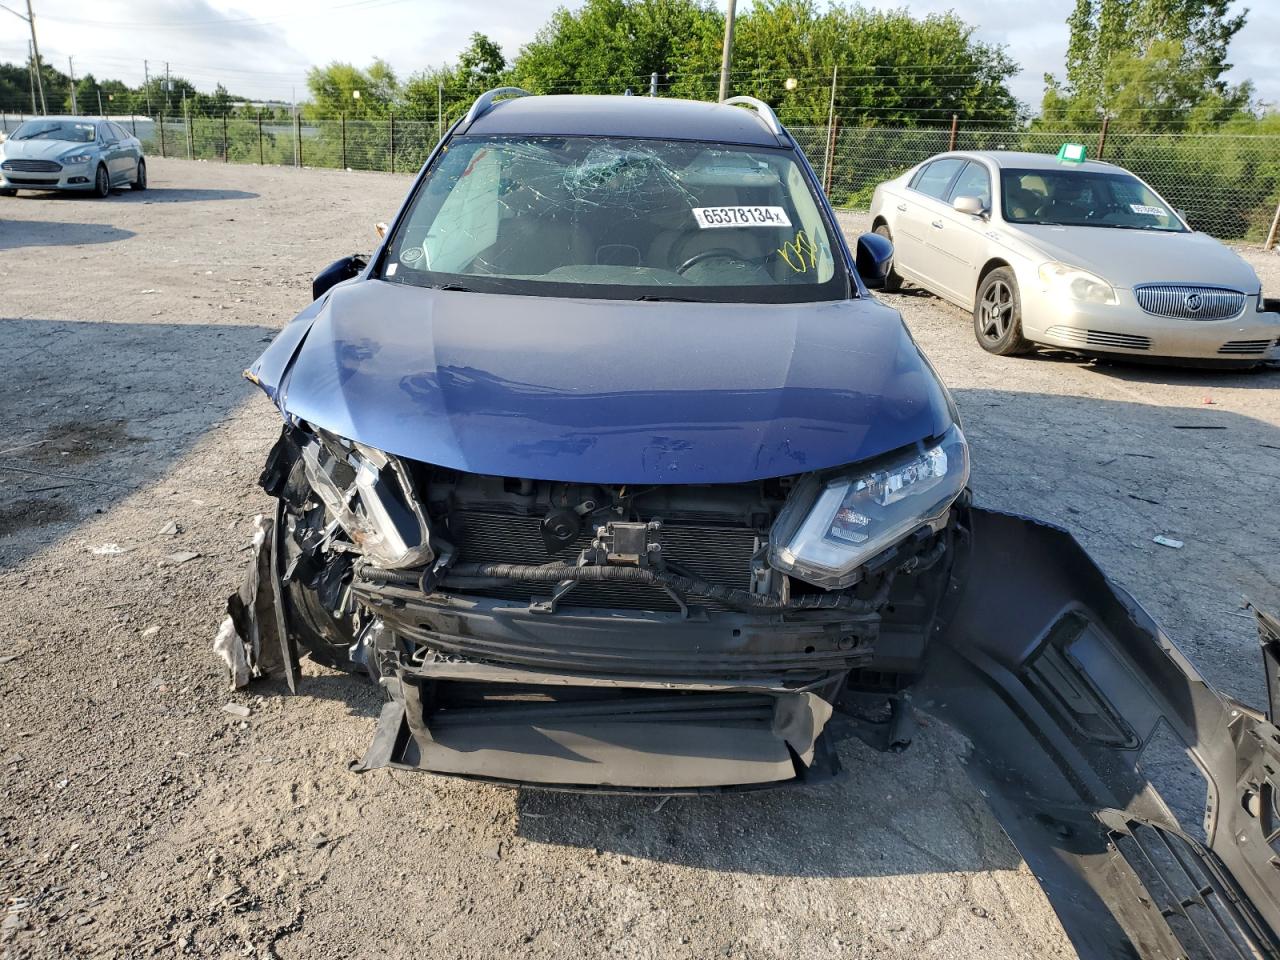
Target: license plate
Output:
[{"x": 711, "y": 217}]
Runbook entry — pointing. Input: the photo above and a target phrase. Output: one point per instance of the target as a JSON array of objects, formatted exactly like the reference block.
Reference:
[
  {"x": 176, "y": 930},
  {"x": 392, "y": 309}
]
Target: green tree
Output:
[
  {"x": 1149, "y": 64},
  {"x": 334, "y": 88},
  {"x": 607, "y": 46},
  {"x": 896, "y": 69}
]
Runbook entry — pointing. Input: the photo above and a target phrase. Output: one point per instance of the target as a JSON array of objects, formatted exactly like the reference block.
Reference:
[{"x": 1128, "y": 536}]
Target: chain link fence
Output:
[{"x": 1227, "y": 185}]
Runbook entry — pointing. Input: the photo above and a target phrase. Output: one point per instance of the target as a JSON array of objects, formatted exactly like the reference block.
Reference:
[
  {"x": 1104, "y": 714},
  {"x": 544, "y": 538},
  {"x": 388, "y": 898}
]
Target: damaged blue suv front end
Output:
[{"x": 608, "y": 468}]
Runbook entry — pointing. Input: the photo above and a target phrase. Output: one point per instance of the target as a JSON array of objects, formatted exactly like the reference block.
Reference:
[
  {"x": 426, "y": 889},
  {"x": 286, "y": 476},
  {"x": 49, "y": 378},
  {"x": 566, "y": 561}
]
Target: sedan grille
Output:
[
  {"x": 1244, "y": 348},
  {"x": 1183, "y": 302},
  {"x": 31, "y": 166},
  {"x": 1102, "y": 339},
  {"x": 719, "y": 554}
]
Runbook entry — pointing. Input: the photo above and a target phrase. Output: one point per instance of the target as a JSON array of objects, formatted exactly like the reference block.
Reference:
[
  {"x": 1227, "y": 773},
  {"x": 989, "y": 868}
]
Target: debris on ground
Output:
[{"x": 1168, "y": 541}]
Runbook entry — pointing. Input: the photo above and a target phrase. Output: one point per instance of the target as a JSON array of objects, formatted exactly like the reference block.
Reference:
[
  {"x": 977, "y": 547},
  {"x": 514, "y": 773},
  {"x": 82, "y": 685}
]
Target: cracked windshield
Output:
[{"x": 618, "y": 219}]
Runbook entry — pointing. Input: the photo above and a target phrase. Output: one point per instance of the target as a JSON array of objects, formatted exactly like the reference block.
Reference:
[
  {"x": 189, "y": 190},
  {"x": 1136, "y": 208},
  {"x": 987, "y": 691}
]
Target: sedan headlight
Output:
[
  {"x": 830, "y": 527},
  {"x": 76, "y": 157},
  {"x": 1075, "y": 283},
  {"x": 371, "y": 496}
]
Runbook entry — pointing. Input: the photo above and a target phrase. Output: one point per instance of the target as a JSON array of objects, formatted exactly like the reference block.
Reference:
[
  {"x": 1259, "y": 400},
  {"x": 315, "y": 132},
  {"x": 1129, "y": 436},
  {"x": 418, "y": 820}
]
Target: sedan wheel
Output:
[
  {"x": 101, "y": 184},
  {"x": 141, "y": 182},
  {"x": 997, "y": 316},
  {"x": 7, "y": 192}
]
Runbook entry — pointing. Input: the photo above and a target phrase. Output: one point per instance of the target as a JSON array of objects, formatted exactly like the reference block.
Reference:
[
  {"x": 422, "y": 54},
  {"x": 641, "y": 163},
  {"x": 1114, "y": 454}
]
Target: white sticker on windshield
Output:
[
  {"x": 1148, "y": 210},
  {"x": 709, "y": 217}
]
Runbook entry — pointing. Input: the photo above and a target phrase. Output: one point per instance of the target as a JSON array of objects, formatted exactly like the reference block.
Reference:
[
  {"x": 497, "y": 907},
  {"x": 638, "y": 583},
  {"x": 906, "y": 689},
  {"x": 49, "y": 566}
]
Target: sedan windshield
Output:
[
  {"x": 620, "y": 219},
  {"x": 1084, "y": 198},
  {"x": 55, "y": 130}
]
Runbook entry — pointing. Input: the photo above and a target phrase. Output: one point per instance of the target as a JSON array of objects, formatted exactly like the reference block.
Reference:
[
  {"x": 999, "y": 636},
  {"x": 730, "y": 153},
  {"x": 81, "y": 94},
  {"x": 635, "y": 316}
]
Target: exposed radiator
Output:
[{"x": 719, "y": 554}]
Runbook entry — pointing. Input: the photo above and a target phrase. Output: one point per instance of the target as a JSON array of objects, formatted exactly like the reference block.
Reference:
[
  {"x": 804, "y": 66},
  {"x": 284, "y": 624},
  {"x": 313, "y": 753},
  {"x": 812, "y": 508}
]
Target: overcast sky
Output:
[{"x": 262, "y": 49}]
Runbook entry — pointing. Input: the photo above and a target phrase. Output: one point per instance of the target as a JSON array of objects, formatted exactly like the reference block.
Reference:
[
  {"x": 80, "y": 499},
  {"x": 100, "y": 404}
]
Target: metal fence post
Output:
[
  {"x": 160, "y": 120},
  {"x": 342, "y": 119},
  {"x": 298, "y": 124},
  {"x": 225, "y": 158},
  {"x": 392, "y": 117},
  {"x": 829, "y": 171},
  {"x": 1273, "y": 235},
  {"x": 261, "y": 161},
  {"x": 1102, "y": 135},
  {"x": 955, "y": 128}
]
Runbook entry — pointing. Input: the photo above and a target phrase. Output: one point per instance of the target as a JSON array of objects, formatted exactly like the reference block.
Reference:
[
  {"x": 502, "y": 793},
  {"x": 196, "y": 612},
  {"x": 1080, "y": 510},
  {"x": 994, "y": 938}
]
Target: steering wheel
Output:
[{"x": 717, "y": 253}]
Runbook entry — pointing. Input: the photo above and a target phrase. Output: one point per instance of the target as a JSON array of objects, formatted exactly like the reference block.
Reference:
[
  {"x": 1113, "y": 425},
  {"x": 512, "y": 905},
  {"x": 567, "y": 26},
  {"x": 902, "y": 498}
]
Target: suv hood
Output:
[
  {"x": 605, "y": 391},
  {"x": 1128, "y": 258}
]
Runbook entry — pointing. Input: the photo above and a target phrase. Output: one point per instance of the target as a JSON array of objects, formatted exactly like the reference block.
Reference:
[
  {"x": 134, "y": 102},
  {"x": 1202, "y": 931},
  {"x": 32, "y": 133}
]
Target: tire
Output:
[
  {"x": 997, "y": 314},
  {"x": 101, "y": 183},
  {"x": 325, "y": 638},
  {"x": 140, "y": 183},
  {"x": 8, "y": 192},
  {"x": 893, "y": 279}
]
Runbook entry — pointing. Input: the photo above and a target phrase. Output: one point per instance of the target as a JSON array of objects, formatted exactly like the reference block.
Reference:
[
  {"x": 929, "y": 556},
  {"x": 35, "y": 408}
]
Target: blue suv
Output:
[{"x": 610, "y": 469}]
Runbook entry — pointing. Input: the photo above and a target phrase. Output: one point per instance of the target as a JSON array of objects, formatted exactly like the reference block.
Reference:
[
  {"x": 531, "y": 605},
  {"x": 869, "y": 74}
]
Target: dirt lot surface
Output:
[{"x": 139, "y": 818}]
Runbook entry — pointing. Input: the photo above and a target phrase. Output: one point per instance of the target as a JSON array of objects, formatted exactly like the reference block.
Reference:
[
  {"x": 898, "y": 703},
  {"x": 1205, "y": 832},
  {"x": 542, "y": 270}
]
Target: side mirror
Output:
[
  {"x": 873, "y": 259},
  {"x": 970, "y": 205},
  {"x": 335, "y": 273}
]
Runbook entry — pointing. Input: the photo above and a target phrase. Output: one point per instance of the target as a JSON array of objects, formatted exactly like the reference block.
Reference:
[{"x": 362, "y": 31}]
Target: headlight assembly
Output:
[
  {"x": 76, "y": 158},
  {"x": 371, "y": 496},
  {"x": 1069, "y": 281},
  {"x": 831, "y": 526}
]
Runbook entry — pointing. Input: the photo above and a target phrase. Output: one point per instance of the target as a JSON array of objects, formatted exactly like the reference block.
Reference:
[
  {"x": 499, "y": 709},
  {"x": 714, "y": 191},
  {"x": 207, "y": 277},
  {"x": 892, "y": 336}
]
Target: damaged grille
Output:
[{"x": 719, "y": 554}]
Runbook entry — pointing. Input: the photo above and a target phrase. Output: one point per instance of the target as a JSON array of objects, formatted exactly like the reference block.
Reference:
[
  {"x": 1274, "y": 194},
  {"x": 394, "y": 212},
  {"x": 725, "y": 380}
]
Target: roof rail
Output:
[
  {"x": 765, "y": 111},
  {"x": 486, "y": 99}
]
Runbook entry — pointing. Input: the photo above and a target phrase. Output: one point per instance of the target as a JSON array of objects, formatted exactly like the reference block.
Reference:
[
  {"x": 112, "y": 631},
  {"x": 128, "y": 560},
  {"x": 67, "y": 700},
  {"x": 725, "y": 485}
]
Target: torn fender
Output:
[{"x": 1070, "y": 694}]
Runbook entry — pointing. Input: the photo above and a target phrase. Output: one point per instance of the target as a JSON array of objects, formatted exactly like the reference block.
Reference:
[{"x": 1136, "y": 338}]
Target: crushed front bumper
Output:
[
  {"x": 618, "y": 700},
  {"x": 1146, "y": 803}
]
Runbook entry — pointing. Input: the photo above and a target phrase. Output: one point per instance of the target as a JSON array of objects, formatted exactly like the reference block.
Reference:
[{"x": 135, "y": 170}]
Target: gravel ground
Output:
[{"x": 139, "y": 818}]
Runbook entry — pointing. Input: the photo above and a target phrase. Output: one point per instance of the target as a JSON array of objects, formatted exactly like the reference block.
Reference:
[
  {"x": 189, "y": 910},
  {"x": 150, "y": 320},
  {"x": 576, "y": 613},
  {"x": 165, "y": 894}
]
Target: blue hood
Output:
[{"x": 605, "y": 391}]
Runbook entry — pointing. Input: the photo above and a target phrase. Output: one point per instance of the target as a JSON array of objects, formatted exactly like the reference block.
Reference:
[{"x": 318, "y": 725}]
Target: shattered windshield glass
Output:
[{"x": 618, "y": 219}]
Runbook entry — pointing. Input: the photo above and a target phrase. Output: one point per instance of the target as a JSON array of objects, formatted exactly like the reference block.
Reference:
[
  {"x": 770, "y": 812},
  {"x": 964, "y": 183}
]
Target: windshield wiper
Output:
[
  {"x": 655, "y": 298},
  {"x": 457, "y": 287}
]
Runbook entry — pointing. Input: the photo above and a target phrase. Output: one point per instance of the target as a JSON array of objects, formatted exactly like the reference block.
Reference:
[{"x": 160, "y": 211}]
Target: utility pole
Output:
[
  {"x": 101, "y": 112},
  {"x": 35, "y": 49},
  {"x": 439, "y": 110},
  {"x": 33, "y": 52},
  {"x": 829, "y": 160},
  {"x": 71, "y": 70},
  {"x": 168, "y": 85},
  {"x": 31, "y": 77},
  {"x": 146, "y": 85},
  {"x": 726, "y": 60}
]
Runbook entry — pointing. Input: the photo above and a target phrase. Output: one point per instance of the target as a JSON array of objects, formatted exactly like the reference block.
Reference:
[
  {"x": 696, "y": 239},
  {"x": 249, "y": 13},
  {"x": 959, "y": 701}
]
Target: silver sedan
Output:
[
  {"x": 71, "y": 153},
  {"x": 1071, "y": 253}
]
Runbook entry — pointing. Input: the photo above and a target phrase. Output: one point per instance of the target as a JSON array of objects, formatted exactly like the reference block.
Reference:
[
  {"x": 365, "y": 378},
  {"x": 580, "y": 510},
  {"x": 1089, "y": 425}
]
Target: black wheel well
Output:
[{"x": 995, "y": 263}]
